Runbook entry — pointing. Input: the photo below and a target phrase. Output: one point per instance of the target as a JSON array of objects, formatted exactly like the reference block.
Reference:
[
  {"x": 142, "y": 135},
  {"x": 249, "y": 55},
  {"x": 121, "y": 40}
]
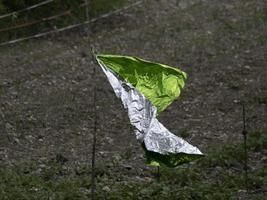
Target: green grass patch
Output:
[{"x": 219, "y": 175}]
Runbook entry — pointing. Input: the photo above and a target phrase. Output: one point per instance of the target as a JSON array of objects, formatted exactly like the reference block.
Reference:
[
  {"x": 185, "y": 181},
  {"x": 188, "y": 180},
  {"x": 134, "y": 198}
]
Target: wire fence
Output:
[
  {"x": 67, "y": 12},
  {"x": 26, "y": 9},
  {"x": 64, "y": 13}
]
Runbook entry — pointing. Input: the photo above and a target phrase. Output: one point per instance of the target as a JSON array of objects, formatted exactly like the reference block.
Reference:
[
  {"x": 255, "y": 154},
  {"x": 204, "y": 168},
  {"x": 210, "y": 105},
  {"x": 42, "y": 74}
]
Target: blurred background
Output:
[
  {"x": 27, "y": 17},
  {"x": 47, "y": 106}
]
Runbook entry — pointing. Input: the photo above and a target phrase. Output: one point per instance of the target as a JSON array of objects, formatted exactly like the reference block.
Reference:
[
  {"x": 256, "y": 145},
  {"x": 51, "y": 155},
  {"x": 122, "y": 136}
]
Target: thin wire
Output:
[
  {"x": 244, "y": 132},
  {"x": 87, "y": 10},
  {"x": 72, "y": 26},
  {"x": 26, "y": 9},
  {"x": 66, "y": 12},
  {"x": 93, "y": 185}
]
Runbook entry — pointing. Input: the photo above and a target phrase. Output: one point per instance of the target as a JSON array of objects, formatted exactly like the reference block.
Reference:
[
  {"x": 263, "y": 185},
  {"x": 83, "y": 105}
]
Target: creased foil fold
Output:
[{"x": 142, "y": 115}]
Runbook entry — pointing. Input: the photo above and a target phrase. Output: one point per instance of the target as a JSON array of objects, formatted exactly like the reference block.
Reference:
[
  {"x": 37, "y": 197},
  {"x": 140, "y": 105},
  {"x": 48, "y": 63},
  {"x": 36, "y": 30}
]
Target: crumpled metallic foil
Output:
[{"x": 142, "y": 115}]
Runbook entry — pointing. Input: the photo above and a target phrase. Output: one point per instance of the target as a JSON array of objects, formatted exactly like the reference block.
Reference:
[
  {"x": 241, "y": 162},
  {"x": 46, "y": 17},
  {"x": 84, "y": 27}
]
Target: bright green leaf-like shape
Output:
[
  {"x": 146, "y": 89},
  {"x": 159, "y": 83}
]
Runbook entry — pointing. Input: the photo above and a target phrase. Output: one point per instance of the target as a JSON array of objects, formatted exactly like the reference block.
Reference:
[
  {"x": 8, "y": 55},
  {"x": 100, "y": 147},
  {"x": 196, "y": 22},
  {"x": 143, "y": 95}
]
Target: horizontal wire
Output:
[
  {"x": 67, "y": 12},
  {"x": 72, "y": 26},
  {"x": 26, "y": 9}
]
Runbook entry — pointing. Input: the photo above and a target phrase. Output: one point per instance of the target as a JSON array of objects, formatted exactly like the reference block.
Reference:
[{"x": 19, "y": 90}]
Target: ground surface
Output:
[{"x": 46, "y": 101}]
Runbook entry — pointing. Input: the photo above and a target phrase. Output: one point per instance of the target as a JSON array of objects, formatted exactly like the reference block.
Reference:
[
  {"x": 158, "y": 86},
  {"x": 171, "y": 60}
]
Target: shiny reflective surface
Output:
[{"x": 142, "y": 115}]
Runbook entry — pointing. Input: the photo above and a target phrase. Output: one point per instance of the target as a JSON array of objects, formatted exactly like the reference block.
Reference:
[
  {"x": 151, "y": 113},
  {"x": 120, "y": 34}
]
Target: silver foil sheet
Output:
[{"x": 142, "y": 115}]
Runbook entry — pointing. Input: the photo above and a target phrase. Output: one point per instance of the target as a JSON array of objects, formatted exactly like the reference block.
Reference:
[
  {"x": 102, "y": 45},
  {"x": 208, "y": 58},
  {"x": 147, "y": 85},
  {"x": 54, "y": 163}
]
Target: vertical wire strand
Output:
[
  {"x": 244, "y": 132},
  {"x": 93, "y": 184},
  {"x": 87, "y": 10}
]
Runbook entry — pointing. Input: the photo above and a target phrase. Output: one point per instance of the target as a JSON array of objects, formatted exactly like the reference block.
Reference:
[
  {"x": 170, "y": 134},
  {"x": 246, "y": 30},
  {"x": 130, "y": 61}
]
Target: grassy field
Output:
[
  {"x": 47, "y": 118},
  {"x": 220, "y": 175}
]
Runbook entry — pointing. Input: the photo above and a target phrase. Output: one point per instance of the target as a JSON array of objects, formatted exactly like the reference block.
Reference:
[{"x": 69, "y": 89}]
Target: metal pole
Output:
[
  {"x": 87, "y": 10},
  {"x": 158, "y": 174},
  {"x": 93, "y": 184},
  {"x": 244, "y": 132}
]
